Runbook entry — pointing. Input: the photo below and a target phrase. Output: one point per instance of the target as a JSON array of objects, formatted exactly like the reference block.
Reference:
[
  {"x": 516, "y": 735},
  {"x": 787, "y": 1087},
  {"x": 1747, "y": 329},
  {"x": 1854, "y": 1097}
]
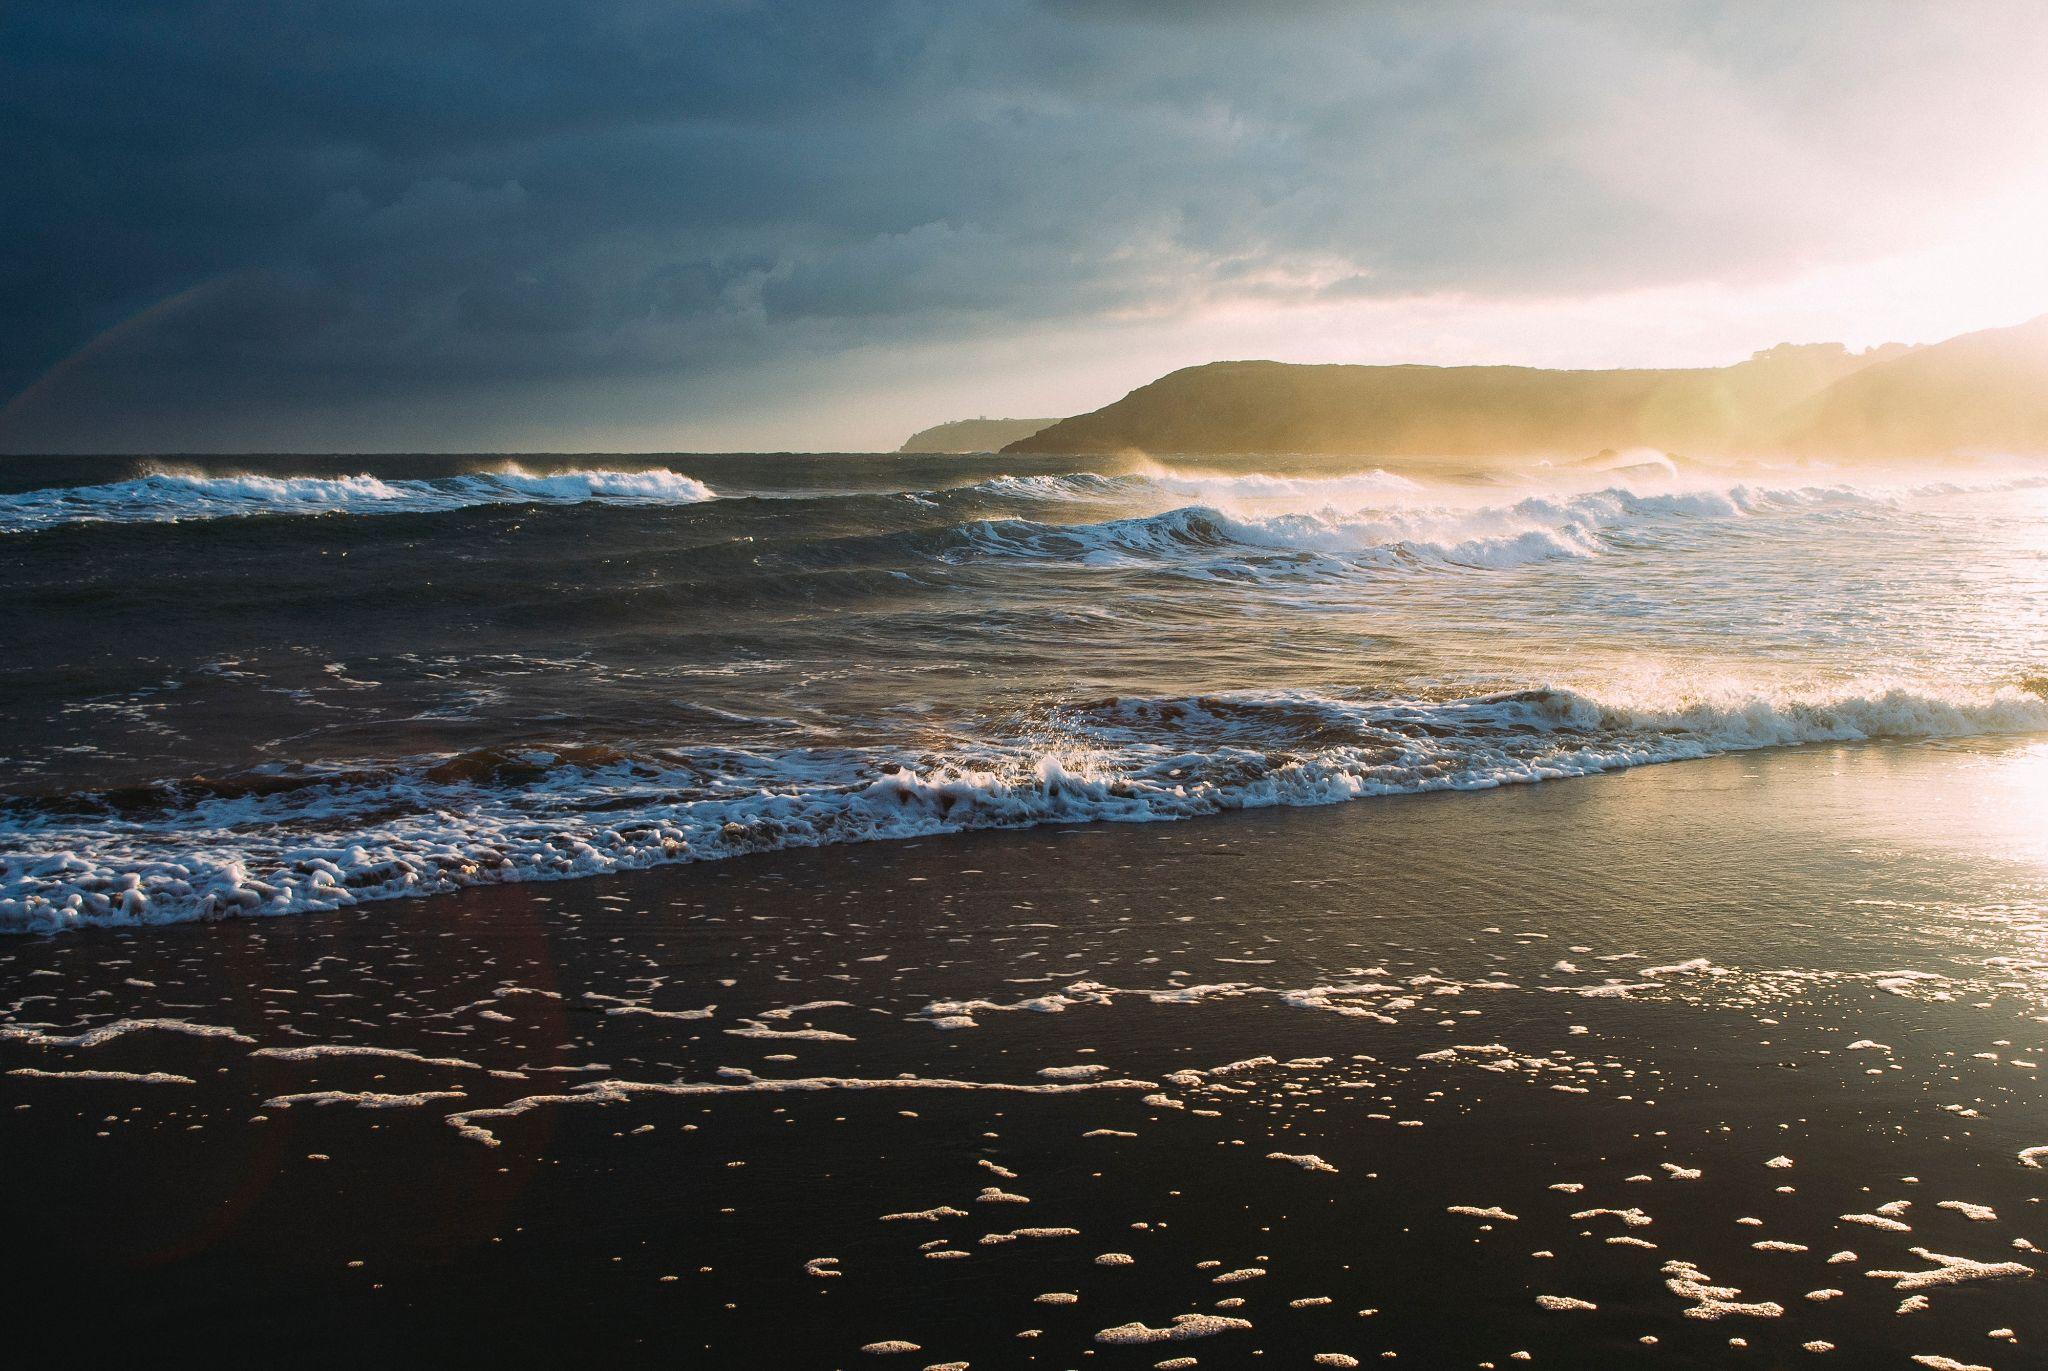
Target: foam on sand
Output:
[
  {"x": 1631, "y": 1217},
  {"x": 741, "y": 1081},
  {"x": 1949, "y": 1270},
  {"x": 1183, "y": 1328},
  {"x": 1307, "y": 1161},
  {"x": 1711, "y": 1301},
  {"x": 627, "y": 1010},
  {"x": 316, "y": 1051},
  {"x": 361, "y": 1099},
  {"x": 119, "y": 1028},
  {"x": 1978, "y": 1213},
  {"x": 755, "y": 1028},
  {"x": 121, "y": 1077},
  {"x": 1054, "y": 1231},
  {"x": 1889, "y": 1224}
]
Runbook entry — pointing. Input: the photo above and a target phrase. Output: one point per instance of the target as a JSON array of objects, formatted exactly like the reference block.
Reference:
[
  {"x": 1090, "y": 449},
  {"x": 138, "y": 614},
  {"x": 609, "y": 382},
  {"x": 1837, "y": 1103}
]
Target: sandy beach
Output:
[{"x": 1598, "y": 1073}]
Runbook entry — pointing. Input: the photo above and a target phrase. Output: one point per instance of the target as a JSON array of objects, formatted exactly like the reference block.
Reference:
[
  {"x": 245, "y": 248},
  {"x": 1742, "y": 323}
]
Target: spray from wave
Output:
[
  {"x": 177, "y": 496},
  {"x": 1268, "y": 526},
  {"x": 1211, "y": 487},
  {"x": 279, "y": 841}
]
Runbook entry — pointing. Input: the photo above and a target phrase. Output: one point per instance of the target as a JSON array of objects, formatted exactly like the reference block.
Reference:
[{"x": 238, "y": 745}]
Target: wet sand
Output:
[{"x": 1410, "y": 1080}]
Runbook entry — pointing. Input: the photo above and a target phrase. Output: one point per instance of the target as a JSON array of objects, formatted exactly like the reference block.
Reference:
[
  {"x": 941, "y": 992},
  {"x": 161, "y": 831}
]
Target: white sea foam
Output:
[
  {"x": 1206, "y": 543},
  {"x": 1263, "y": 526},
  {"x": 1712, "y": 1302},
  {"x": 116, "y": 1077},
  {"x": 315, "y": 1051},
  {"x": 1977, "y": 1213},
  {"x": 1183, "y": 1327},
  {"x": 1307, "y": 1161},
  {"x": 326, "y": 843},
  {"x": 1632, "y": 1217},
  {"x": 1350, "y": 491},
  {"x": 1948, "y": 1270},
  {"x": 740, "y": 1081},
  {"x": 1073, "y": 486},
  {"x": 176, "y": 496},
  {"x": 1563, "y": 1303},
  {"x": 1314, "y": 531},
  {"x": 361, "y": 1099},
  {"x": 1473, "y": 1211},
  {"x": 119, "y": 1028}
]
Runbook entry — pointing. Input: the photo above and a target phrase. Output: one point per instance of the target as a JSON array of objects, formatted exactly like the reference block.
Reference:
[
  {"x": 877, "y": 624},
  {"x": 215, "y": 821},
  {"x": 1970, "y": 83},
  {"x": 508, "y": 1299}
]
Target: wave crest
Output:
[
  {"x": 1210, "y": 542},
  {"x": 279, "y": 844},
  {"x": 178, "y": 496}
]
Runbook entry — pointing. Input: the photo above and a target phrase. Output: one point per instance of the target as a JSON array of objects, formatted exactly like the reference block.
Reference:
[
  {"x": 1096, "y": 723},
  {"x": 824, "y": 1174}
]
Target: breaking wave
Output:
[
  {"x": 173, "y": 496},
  {"x": 280, "y": 841},
  {"x": 1348, "y": 491},
  {"x": 1250, "y": 538}
]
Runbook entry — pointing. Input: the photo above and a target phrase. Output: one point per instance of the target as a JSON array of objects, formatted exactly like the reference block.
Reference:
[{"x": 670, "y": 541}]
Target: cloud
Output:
[{"x": 219, "y": 205}]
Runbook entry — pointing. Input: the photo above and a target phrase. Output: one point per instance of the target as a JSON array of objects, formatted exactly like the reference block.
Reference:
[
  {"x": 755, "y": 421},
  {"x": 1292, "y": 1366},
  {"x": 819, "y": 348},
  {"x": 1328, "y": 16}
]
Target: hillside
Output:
[
  {"x": 1981, "y": 392},
  {"x": 973, "y": 435},
  {"x": 1454, "y": 411}
]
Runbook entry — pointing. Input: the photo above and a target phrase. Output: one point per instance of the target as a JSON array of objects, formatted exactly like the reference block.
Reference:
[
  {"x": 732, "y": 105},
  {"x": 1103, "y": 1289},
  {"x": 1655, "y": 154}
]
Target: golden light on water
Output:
[{"x": 2016, "y": 807}]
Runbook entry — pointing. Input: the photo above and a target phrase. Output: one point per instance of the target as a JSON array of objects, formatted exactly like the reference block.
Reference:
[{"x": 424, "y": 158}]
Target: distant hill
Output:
[
  {"x": 1981, "y": 392},
  {"x": 1424, "y": 411},
  {"x": 974, "y": 435}
]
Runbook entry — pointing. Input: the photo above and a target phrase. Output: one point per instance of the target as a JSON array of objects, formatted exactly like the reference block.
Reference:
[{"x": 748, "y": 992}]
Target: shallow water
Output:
[{"x": 270, "y": 685}]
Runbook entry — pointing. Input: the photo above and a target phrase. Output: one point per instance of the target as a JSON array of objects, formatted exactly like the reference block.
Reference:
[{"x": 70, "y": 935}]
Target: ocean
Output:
[{"x": 269, "y": 685}]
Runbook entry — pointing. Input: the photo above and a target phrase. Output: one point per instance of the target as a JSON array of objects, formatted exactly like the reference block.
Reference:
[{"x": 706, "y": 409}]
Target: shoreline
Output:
[
  {"x": 664, "y": 812},
  {"x": 1765, "y": 911}
]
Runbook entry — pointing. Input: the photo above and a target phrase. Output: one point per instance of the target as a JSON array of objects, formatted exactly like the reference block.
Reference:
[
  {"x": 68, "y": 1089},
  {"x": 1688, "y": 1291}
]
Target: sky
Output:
[{"x": 726, "y": 225}]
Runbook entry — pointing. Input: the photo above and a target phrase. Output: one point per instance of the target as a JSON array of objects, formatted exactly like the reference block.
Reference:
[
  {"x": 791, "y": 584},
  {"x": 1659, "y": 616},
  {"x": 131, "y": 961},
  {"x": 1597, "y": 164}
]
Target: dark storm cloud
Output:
[{"x": 228, "y": 202}]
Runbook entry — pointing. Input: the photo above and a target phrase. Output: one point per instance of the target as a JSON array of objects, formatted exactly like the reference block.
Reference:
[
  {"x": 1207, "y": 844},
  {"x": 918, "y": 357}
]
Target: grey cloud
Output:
[{"x": 282, "y": 203}]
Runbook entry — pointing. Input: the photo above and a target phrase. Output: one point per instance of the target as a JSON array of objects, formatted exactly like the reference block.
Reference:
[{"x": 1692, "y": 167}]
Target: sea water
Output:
[{"x": 268, "y": 685}]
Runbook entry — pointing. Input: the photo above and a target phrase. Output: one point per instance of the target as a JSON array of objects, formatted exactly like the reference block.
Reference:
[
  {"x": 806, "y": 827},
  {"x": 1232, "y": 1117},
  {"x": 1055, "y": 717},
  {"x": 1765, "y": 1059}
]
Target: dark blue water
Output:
[{"x": 262, "y": 685}]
